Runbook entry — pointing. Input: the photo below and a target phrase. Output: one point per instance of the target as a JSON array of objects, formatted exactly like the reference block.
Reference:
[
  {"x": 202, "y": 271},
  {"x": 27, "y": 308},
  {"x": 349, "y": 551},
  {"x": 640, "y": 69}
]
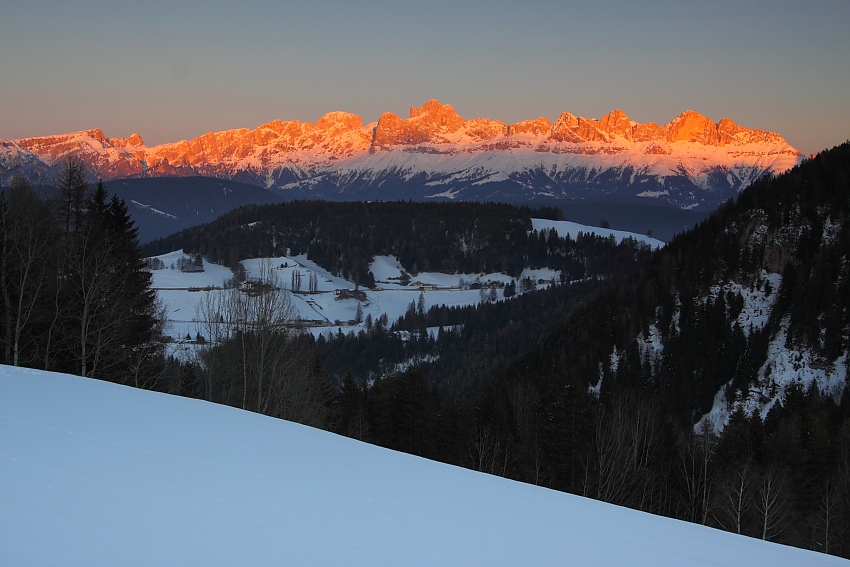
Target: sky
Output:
[{"x": 176, "y": 70}]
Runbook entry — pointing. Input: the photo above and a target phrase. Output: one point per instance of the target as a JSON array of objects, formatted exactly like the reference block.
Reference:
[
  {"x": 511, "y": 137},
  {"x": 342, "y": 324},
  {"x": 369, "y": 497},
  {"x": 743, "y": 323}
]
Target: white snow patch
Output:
[
  {"x": 650, "y": 346},
  {"x": 758, "y": 300},
  {"x": 181, "y": 292},
  {"x": 653, "y": 194},
  {"x": 614, "y": 360},
  {"x": 406, "y": 365},
  {"x": 151, "y": 209},
  {"x": 385, "y": 268},
  {"x": 782, "y": 368},
  {"x": 325, "y": 311},
  {"x": 573, "y": 229},
  {"x": 447, "y": 194},
  {"x": 831, "y": 230}
]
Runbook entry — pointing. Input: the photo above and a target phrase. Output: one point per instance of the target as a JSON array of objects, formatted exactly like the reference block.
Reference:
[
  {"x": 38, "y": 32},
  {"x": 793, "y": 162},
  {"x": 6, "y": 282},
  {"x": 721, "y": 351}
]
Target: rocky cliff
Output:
[{"x": 435, "y": 153}]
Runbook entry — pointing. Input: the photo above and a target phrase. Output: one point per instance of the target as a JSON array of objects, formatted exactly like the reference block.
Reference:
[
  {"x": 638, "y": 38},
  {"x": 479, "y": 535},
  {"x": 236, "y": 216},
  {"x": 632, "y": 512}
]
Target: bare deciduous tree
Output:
[
  {"x": 278, "y": 374},
  {"x": 627, "y": 442},
  {"x": 210, "y": 322},
  {"x": 696, "y": 452},
  {"x": 489, "y": 451},
  {"x": 266, "y": 314},
  {"x": 93, "y": 286},
  {"x": 771, "y": 502},
  {"x": 733, "y": 497},
  {"x": 73, "y": 188},
  {"x": 27, "y": 243},
  {"x": 145, "y": 368},
  {"x": 824, "y": 522}
]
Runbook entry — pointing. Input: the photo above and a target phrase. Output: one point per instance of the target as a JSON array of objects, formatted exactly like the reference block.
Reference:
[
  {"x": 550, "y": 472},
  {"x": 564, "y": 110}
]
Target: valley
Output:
[
  {"x": 499, "y": 338},
  {"x": 440, "y": 283},
  {"x": 328, "y": 311}
]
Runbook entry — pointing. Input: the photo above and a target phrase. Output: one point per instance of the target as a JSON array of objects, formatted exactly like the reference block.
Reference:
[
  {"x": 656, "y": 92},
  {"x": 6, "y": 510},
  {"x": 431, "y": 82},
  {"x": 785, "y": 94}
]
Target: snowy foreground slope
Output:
[{"x": 93, "y": 473}]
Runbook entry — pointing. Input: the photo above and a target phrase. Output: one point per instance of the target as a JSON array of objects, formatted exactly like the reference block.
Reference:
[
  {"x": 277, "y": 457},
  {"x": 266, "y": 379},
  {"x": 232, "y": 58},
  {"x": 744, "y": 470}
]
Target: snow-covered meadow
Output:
[
  {"x": 573, "y": 229},
  {"x": 94, "y": 473},
  {"x": 326, "y": 311}
]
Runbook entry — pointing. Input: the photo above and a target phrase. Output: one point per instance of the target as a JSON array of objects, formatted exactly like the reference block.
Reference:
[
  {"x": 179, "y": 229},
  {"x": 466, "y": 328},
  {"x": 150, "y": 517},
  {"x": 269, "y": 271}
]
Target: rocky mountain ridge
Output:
[{"x": 435, "y": 153}]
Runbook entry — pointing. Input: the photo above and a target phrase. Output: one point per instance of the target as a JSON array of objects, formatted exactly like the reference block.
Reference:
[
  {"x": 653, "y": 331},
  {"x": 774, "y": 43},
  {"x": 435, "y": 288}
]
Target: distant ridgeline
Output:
[
  {"x": 692, "y": 162},
  {"x": 344, "y": 238}
]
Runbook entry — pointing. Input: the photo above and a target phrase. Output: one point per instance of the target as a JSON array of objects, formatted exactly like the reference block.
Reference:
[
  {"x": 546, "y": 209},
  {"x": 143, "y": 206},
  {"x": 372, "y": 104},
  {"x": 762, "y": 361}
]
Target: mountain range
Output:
[{"x": 690, "y": 163}]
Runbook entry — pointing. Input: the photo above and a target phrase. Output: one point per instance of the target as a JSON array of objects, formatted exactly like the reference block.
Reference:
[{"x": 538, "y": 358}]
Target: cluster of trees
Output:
[
  {"x": 255, "y": 357},
  {"x": 193, "y": 264},
  {"x": 76, "y": 297},
  {"x": 472, "y": 344},
  {"x": 785, "y": 478}
]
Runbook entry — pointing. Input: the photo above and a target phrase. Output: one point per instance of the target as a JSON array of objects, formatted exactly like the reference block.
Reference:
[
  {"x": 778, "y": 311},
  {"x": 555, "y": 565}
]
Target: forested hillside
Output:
[
  {"x": 469, "y": 346},
  {"x": 721, "y": 304},
  {"x": 344, "y": 237}
]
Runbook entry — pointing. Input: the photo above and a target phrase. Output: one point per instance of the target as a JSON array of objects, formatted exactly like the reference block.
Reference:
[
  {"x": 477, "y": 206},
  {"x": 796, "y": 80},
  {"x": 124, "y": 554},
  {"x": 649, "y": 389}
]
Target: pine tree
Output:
[{"x": 420, "y": 305}]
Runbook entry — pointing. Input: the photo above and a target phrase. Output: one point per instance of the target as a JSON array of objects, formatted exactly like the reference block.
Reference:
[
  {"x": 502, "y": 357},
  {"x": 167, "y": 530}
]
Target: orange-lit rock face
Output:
[
  {"x": 569, "y": 128},
  {"x": 436, "y": 115},
  {"x": 648, "y": 132},
  {"x": 729, "y": 133},
  {"x": 337, "y": 133},
  {"x": 429, "y": 124},
  {"x": 340, "y": 135},
  {"x": 133, "y": 141},
  {"x": 588, "y": 130},
  {"x": 565, "y": 129},
  {"x": 337, "y": 122},
  {"x": 616, "y": 124},
  {"x": 540, "y": 127},
  {"x": 483, "y": 129},
  {"x": 54, "y": 147},
  {"x": 97, "y": 134},
  {"x": 390, "y": 131},
  {"x": 692, "y": 126}
]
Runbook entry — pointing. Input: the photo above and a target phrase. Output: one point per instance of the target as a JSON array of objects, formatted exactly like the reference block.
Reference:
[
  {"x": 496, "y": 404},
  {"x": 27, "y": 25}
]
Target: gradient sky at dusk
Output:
[{"x": 175, "y": 70}]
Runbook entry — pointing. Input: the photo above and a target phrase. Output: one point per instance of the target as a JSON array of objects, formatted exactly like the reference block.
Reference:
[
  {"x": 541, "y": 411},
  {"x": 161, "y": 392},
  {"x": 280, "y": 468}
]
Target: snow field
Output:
[
  {"x": 567, "y": 227},
  {"x": 94, "y": 473},
  {"x": 324, "y": 311}
]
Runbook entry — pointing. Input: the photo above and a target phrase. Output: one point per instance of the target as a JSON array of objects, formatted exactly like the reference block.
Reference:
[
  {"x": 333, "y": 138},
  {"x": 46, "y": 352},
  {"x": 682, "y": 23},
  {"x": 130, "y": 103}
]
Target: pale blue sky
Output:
[{"x": 175, "y": 70}]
